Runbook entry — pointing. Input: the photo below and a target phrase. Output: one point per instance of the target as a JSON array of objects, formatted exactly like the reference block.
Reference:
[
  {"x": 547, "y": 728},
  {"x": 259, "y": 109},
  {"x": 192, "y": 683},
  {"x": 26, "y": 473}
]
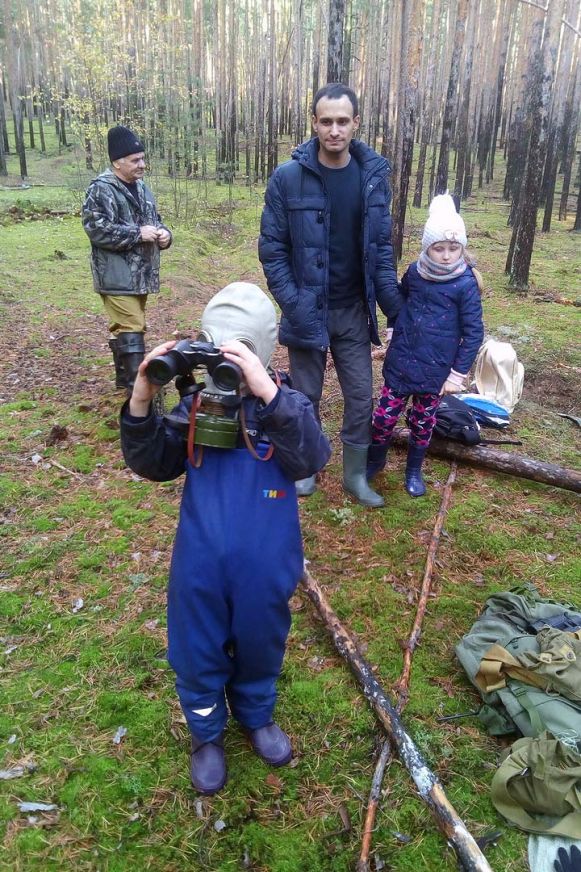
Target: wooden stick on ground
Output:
[
  {"x": 500, "y": 461},
  {"x": 428, "y": 786},
  {"x": 372, "y": 805},
  {"x": 402, "y": 685}
]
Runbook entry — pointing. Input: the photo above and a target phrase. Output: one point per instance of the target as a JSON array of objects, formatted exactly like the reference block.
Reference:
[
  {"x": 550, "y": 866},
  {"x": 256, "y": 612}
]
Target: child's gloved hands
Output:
[
  {"x": 568, "y": 862},
  {"x": 143, "y": 390},
  {"x": 255, "y": 375}
]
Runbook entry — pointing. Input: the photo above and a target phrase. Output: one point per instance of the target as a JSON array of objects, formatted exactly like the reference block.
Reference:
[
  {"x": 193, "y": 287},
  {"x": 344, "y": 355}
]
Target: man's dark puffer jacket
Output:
[{"x": 294, "y": 244}]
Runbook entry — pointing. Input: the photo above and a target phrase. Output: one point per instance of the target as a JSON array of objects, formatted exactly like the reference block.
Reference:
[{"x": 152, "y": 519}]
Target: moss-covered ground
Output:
[{"x": 86, "y": 546}]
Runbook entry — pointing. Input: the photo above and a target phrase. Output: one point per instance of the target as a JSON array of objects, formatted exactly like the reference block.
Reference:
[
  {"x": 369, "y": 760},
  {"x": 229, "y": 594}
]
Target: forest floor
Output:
[{"x": 89, "y": 711}]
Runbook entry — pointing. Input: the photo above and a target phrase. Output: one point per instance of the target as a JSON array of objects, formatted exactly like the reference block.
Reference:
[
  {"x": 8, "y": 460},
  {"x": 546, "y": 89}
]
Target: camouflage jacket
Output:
[{"x": 121, "y": 263}]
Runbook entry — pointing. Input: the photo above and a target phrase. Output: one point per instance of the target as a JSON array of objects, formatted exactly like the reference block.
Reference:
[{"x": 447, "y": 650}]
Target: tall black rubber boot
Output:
[
  {"x": 355, "y": 476},
  {"x": 120, "y": 377},
  {"x": 131, "y": 350}
]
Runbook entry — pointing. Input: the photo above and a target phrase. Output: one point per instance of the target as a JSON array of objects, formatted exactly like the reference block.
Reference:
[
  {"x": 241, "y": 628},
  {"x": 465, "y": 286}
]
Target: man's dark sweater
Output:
[{"x": 345, "y": 274}]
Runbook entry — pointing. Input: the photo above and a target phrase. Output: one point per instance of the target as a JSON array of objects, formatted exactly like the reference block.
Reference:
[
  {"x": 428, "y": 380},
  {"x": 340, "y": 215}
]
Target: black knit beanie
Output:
[{"x": 121, "y": 141}]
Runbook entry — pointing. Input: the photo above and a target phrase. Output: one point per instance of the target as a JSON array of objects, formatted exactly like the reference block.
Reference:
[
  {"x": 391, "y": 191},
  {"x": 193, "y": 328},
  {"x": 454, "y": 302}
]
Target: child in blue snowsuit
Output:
[
  {"x": 238, "y": 552},
  {"x": 435, "y": 340}
]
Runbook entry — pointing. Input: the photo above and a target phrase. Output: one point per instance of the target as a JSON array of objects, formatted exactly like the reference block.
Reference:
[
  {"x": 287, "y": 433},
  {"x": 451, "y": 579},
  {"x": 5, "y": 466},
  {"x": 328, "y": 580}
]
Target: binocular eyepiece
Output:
[{"x": 189, "y": 354}]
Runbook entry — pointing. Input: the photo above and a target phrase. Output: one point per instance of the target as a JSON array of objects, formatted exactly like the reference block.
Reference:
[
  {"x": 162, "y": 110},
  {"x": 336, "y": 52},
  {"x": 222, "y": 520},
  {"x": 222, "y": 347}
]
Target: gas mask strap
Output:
[
  {"x": 245, "y": 435},
  {"x": 195, "y": 461}
]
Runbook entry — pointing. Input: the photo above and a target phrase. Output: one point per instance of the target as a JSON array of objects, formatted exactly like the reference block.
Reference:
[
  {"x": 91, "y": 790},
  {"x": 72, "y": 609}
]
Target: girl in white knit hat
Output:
[{"x": 435, "y": 340}]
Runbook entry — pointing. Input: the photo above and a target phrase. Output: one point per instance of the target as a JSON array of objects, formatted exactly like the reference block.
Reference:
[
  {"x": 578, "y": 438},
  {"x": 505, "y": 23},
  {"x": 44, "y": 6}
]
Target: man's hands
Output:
[
  {"x": 256, "y": 377},
  {"x": 163, "y": 237},
  {"x": 143, "y": 390},
  {"x": 149, "y": 233}
]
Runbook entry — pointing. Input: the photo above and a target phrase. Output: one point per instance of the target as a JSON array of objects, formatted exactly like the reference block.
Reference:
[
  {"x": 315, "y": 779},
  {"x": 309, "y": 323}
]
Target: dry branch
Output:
[
  {"x": 402, "y": 685},
  {"x": 427, "y": 784},
  {"x": 502, "y": 461},
  {"x": 374, "y": 794}
]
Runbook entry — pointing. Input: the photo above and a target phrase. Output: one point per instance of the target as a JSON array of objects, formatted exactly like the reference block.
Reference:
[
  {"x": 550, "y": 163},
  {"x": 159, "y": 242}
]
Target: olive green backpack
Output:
[
  {"x": 537, "y": 786},
  {"x": 523, "y": 655}
]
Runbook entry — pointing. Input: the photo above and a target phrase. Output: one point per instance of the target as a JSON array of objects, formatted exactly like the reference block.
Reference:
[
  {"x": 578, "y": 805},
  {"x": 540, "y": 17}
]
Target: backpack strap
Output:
[
  {"x": 479, "y": 280},
  {"x": 521, "y": 693}
]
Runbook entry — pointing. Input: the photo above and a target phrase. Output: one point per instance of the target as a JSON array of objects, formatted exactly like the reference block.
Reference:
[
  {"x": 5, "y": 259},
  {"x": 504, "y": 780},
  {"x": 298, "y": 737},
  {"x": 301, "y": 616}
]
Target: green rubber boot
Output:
[{"x": 355, "y": 476}]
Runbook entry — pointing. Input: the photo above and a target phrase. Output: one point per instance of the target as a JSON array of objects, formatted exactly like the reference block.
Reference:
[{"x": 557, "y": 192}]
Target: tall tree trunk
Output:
[
  {"x": 572, "y": 115},
  {"x": 15, "y": 83},
  {"x": 335, "y": 40},
  {"x": 462, "y": 120},
  {"x": 406, "y": 114},
  {"x": 443, "y": 162},
  {"x": 523, "y": 236},
  {"x": 577, "y": 224}
]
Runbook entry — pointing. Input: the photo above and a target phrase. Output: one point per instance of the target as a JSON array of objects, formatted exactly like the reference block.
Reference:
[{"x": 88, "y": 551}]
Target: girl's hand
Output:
[
  {"x": 143, "y": 390},
  {"x": 454, "y": 384},
  {"x": 450, "y": 387},
  {"x": 256, "y": 377}
]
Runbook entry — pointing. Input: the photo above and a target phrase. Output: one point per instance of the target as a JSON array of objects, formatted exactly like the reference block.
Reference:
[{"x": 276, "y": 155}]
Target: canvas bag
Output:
[
  {"x": 537, "y": 786},
  {"x": 499, "y": 374},
  {"x": 511, "y": 619}
]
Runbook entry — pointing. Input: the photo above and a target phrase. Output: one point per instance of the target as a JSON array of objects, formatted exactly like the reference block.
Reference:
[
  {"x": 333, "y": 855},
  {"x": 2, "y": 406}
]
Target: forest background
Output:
[{"x": 480, "y": 97}]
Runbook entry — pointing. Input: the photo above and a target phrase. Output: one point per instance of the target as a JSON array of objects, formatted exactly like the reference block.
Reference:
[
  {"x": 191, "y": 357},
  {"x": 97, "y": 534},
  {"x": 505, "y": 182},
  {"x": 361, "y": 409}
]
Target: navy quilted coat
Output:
[
  {"x": 439, "y": 328},
  {"x": 294, "y": 244}
]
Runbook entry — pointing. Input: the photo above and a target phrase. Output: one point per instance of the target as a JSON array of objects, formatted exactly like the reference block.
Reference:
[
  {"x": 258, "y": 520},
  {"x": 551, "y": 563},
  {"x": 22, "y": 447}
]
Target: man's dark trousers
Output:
[{"x": 350, "y": 348}]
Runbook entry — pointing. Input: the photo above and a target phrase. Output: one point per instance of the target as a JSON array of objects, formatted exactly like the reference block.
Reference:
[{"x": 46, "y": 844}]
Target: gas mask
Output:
[{"x": 240, "y": 311}]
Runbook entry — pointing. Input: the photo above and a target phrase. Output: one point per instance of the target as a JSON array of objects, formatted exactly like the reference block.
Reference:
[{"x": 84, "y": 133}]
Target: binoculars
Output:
[{"x": 190, "y": 354}]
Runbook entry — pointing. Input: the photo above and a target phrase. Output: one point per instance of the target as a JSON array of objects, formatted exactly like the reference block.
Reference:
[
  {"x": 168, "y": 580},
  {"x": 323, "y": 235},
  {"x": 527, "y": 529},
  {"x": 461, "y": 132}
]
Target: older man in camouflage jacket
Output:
[{"x": 126, "y": 232}]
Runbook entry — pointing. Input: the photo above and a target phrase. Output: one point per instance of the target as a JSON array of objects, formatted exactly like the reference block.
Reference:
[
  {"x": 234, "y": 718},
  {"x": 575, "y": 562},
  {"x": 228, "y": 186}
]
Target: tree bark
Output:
[{"x": 335, "y": 40}]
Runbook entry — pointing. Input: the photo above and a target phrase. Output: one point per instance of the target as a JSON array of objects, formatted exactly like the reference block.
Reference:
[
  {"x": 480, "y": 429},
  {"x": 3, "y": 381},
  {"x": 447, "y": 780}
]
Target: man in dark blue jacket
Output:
[{"x": 325, "y": 246}]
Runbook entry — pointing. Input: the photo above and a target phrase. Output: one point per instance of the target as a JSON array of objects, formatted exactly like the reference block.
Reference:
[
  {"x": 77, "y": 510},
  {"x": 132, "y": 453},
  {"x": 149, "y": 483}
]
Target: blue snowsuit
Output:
[{"x": 237, "y": 556}]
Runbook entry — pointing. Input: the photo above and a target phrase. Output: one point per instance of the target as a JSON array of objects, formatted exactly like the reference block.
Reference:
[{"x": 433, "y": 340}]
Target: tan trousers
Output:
[{"x": 126, "y": 312}]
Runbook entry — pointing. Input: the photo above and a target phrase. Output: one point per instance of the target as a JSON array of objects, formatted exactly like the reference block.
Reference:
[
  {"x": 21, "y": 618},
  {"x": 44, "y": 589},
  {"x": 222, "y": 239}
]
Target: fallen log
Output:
[
  {"x": 427, "y": 784},
  {"x": 501, "y": 461}
]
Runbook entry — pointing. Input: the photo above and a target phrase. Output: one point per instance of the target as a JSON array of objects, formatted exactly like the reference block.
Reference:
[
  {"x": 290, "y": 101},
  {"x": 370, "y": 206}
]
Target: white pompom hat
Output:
[{"x": 444, "y": 224}]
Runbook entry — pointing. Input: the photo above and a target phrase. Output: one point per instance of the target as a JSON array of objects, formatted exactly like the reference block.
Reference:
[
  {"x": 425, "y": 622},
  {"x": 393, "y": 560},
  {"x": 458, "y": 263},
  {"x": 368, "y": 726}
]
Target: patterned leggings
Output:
[{"x": 422, "y": 416}]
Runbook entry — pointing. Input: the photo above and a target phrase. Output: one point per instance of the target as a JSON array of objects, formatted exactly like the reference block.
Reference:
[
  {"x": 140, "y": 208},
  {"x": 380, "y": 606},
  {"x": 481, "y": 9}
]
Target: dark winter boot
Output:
[
  {"x": 272, "y": 744},
  {"x": 131, "y": 350},
  {"x": 208, "y": 766},
  {"x": 414, "y": 483},
  {"x": 376, "y": 459},
  {"x": 355, "y": 476},
  {"x": 306, "y": 486},
  {"x": 120, "y": 378}
]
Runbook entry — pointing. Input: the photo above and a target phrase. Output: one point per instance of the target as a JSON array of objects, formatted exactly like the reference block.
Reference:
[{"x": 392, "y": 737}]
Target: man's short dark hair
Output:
[{"x": 334, "y": 91}]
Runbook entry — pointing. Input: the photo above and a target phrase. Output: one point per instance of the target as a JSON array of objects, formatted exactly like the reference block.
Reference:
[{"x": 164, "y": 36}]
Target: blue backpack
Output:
[{"x": 487, "y": 412}]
